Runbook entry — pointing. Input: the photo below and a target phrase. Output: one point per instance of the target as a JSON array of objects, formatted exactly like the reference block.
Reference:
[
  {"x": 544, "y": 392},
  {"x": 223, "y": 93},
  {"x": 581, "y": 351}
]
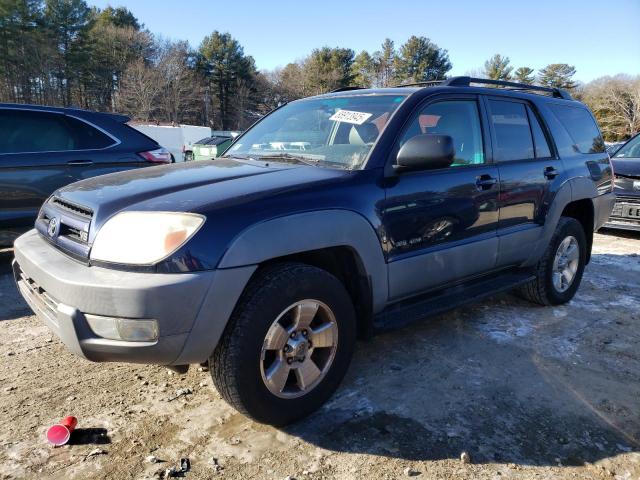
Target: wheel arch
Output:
[
  {"x": 339, "y": 241},
  {"x": 573, "y": 199},
  {"x": 344, "y": 263},
  {"x": 582, "y": 210}
]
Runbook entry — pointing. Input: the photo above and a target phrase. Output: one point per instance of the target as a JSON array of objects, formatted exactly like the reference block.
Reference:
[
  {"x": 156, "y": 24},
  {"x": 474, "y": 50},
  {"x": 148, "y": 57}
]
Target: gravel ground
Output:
[{"x": 528, "y": 392}]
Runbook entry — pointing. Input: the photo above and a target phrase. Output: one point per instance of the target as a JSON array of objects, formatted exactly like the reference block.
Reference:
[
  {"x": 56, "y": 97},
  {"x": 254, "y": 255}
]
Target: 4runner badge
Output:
[{"x": 52, "y": 229}]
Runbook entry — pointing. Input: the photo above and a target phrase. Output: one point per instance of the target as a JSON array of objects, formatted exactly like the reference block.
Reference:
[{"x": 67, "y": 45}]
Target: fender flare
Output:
[
  {"x": 308, "y": 231},
  {"x": 579, "y": 188}
]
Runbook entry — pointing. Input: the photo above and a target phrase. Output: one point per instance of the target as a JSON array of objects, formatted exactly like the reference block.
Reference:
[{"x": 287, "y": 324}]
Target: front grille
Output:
[
  {"x": 619, "y": 205},
  {"x": 71, "y": 207},
  {"x": 75, "y": 234},
  {"x": 70, "y": 232}
]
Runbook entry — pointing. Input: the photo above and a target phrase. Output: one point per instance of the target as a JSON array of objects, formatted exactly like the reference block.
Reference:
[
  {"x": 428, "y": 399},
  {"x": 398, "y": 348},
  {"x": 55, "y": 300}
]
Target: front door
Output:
[{"x": 439, "y": 226}]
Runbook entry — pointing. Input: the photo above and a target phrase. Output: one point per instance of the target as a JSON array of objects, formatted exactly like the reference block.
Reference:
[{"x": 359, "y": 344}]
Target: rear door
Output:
[
  {"x": 439, "y": 226},
  {"x": 96, "y": 151},
  {"x": 530, "y": 174}
]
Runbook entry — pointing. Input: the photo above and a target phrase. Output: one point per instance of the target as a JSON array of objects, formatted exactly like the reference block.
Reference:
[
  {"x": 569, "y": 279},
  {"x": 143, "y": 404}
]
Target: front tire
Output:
[
  {"x": 288, "y": 344},
  {"x": 559, "y": 271}
]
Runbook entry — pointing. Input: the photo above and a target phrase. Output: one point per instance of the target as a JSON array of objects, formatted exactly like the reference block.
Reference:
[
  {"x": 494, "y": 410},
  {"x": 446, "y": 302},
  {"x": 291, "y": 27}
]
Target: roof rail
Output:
[
  {"x": 466, "y": 81},
  {"x": 426, "y": 83},
  {"x": 346, "y": 89}
]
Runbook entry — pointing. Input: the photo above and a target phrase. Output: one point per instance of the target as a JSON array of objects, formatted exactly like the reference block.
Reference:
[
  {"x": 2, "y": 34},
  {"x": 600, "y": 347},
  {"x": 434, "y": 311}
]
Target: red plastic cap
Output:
[{"x": 58, "y": 435}]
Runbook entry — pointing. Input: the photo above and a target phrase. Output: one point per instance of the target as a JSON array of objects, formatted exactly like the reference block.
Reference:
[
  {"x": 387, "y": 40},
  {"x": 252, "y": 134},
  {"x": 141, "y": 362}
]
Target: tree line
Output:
[{"x": 63, "y": 52}]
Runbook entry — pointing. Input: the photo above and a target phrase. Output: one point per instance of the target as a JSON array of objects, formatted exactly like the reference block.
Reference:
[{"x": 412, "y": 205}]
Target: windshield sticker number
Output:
[{"x": 349, "y": 116}]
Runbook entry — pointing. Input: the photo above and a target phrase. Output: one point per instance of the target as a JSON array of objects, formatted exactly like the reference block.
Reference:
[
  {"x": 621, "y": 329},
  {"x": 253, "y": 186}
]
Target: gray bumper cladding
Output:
[{"x": 191, "y": 309}]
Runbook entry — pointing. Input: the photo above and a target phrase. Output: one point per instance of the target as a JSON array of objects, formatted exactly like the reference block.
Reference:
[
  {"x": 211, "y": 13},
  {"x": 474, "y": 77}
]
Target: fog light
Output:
[{"x": 131, "y": 330}]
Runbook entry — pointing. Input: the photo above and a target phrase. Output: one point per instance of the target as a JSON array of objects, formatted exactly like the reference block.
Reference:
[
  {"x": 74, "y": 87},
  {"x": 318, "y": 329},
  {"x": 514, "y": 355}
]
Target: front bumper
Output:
[
  {"x": 191, "y": 309},
  {"x": 602, "y": 204},
  {"x": 616, "y": 220}
]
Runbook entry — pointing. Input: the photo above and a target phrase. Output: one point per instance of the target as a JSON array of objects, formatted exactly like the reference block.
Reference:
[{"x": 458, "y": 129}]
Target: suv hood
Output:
[
  {"x": 188, "y": 187},
  {"x": 627, "y": 167}
]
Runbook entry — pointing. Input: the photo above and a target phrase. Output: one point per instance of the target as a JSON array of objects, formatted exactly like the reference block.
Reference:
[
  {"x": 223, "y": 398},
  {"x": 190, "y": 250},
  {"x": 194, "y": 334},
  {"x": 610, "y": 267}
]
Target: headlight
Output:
[{"x": 143, "y": 238}]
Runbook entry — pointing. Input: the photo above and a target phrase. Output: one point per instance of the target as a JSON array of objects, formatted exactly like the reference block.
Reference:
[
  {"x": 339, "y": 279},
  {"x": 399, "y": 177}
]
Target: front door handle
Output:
[
  {"x": 551, "y": 172},
  {"x": 80, "y": 162},
  {"x": 485, "y": 182}
]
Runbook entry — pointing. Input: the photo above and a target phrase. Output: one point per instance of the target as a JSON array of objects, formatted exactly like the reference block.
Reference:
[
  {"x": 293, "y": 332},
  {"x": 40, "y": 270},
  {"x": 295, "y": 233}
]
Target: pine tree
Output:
[
  {"x": 363, "y": 70},
  {"x": 385, "y": 64},
  {"x": 419, "y": 59},
  {"x": 524, "y": 75},
  {"x": 557, "y": 75},
  {"x": 498, "y": 68},
  {"x": 329, "y": 68},
  {"x": 226, "y": 68}
]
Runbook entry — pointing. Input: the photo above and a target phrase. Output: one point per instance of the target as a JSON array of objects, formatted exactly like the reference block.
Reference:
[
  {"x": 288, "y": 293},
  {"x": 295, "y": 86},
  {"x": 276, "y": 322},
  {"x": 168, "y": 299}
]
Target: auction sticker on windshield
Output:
[{"x": 349, "y": 116}]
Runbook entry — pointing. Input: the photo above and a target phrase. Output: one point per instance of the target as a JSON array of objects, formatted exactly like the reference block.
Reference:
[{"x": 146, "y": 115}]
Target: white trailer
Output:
[{"x": 177, "y": 139}]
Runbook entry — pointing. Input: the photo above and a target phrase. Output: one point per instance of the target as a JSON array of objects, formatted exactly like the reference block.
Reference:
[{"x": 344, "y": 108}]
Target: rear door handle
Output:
[
  {"x": 485, "y": 182},
  {"x": 551, "y": 173},
  {"x": 80, "y": 162}
]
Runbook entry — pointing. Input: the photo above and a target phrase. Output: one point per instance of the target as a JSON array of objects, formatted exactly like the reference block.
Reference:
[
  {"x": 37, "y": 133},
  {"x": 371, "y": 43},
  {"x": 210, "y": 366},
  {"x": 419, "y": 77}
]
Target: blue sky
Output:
[{"x": 598, "y": 37}]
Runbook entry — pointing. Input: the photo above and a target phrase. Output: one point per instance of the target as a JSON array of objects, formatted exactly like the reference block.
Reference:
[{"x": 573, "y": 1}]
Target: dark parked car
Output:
[
  {"x": 334, "y": 216},
  {"x": 45, "y": 148},
  {"x": 626, "y": 167}
]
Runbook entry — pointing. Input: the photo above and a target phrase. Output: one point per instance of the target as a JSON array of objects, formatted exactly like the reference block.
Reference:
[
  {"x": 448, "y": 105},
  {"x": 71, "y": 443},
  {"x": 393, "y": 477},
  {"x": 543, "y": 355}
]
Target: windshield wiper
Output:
[
  {"x": 289, "y": 157},
  {"x": 238, "y": 157}
]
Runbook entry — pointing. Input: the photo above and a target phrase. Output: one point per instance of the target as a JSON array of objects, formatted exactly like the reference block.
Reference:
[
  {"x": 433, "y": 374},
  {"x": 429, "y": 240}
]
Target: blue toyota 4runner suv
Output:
[{"x": 331, "y": 218}]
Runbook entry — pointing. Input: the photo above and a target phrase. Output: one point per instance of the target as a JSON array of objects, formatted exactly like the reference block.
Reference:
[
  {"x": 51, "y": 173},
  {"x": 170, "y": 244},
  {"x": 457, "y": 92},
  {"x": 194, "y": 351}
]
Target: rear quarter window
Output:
[
  {"x": 87, "y": 137},
  {"x": 581, "y": 127}
]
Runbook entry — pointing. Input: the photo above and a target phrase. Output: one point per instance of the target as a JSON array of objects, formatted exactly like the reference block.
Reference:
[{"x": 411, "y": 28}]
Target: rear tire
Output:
[
  {"x": 559, "y": 271},
  {"x": 246, "y": 362}
]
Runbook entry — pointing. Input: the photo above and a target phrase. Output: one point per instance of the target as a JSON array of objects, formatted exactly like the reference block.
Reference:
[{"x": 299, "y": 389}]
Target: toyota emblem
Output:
[{"x": 52, "y": 229}]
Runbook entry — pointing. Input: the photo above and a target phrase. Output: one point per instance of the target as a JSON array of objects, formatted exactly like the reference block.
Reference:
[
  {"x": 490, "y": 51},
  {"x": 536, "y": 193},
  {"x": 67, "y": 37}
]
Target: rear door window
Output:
[
  {"x": 540, "y": 141},
  {"x": 581, "y": 127},
  {"x": 33, "y": 132},
  {"x": 27, "y": 132},
  {"x": 513, "y": 139}
]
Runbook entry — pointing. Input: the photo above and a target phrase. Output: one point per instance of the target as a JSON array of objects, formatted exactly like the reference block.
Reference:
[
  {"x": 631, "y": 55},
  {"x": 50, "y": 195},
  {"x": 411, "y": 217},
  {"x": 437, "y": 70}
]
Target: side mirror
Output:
[{"x": 425, "y": 152}]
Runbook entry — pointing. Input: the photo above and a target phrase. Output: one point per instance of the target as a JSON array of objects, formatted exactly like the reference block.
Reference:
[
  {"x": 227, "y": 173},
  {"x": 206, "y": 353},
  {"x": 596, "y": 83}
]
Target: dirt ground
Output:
[{"x": 528, "y": 392}]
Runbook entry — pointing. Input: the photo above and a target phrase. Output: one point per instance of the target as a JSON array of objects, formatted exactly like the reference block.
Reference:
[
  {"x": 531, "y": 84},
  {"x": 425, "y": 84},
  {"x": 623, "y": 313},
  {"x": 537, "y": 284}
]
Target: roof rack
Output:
[
  {"x": 426, "y": 83},
  {"x": 346, "y": 89},
  {"x": 467, "y": 81}
]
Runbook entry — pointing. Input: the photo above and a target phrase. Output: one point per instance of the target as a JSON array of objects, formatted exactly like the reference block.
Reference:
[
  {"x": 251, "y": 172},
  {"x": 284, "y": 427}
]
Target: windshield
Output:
[
  {"x": 336, "y": 132},
  {"x": 630, "y": 150}
]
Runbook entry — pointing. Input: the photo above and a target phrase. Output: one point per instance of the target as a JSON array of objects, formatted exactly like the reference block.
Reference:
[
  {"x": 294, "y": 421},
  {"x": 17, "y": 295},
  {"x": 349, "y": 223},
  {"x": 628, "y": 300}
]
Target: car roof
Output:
[{"x": 79, "y": 112}]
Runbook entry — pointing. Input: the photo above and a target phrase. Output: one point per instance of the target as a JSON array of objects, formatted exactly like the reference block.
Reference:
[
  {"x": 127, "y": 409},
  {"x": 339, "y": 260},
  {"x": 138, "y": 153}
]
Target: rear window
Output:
[{"x": 581, "y": 128}]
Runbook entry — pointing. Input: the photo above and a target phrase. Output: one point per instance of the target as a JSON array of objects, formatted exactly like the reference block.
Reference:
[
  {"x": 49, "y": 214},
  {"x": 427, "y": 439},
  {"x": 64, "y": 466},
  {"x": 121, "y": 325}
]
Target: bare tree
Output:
[
  {"x": 179, "y": 97},
  {"x": 139, "y": 91},
  {"x": 615, "y": 101}
]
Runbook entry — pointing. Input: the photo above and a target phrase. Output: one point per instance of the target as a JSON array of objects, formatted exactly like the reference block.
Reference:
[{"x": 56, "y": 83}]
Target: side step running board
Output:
[{"x": 408, "y": 311}]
